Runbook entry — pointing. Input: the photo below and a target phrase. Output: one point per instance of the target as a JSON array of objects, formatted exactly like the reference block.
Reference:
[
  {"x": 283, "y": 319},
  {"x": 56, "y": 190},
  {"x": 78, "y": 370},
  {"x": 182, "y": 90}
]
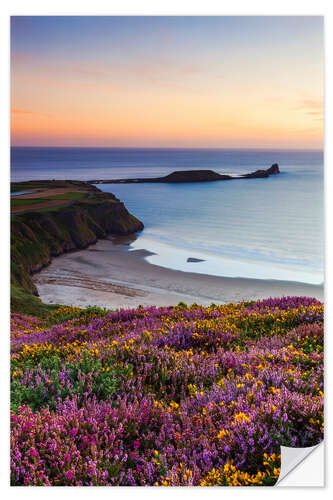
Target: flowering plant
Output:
[{"x": 165, "y": 396}]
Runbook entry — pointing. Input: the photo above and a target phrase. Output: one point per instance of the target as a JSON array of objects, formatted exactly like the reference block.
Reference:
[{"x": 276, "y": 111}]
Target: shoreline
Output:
[{"x": 109, "y": 274}]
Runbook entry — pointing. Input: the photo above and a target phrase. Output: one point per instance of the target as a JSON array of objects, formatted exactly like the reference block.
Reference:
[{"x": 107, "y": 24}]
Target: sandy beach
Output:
[{"x": 109, "y": 274}]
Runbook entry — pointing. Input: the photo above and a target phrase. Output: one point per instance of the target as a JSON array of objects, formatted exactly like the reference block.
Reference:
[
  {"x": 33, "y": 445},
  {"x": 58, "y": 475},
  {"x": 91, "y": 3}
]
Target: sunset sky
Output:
[{"x": 238, "y": 82}]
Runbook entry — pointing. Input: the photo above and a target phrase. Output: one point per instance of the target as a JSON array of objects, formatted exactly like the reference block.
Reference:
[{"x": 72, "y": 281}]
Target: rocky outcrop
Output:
[
  {"x": 193, "y": 176},
  {"x": 259, "y": 174},
  {"x": 274, "y": 169},
  {"x": 38, "y": 236}
]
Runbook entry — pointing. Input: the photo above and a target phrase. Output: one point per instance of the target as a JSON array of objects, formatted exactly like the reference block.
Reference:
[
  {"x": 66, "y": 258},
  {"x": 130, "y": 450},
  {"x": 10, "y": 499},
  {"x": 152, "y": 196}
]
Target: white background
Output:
[{"x": 149, "y": 7}]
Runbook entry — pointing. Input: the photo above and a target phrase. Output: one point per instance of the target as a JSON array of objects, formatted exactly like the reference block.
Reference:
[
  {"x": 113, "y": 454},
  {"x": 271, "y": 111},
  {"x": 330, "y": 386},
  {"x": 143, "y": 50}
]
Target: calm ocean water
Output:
[{"x": 256, "y": 228}]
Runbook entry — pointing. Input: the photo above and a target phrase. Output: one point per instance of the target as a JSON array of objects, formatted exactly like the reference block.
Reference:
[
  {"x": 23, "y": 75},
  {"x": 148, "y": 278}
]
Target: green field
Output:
[{"x": 18, "y": 202}]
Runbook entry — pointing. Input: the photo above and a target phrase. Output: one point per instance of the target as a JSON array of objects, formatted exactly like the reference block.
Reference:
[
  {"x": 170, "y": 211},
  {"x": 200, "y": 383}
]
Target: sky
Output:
[{"x": 215, "y": 82}]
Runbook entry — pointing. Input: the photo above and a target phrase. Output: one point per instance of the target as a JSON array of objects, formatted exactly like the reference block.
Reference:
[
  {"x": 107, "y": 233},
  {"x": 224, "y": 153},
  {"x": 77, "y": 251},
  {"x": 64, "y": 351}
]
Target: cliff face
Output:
[{"x": 36, "y": 237}]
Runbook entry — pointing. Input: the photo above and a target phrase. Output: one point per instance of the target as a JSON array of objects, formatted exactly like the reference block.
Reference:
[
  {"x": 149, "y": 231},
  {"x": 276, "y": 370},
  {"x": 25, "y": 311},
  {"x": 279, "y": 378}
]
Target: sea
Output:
[{"x": 270, "y": 228}]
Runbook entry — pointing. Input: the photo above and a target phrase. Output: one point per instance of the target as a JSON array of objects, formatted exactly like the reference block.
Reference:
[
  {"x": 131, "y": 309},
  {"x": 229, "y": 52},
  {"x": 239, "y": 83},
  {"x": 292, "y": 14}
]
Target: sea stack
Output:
[
  {"x": 274, "y": 169},
  {"x": 259, "y": 174}
]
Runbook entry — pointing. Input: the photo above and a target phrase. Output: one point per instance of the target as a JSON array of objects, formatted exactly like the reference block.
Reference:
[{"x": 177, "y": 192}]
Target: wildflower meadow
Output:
[{"x": 172, "y": 396}]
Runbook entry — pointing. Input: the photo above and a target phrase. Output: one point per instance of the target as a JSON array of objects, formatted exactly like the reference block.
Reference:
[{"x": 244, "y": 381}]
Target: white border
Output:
[
  {"x": 143, "y": 7},
  {"x": 302, "y": 466}
]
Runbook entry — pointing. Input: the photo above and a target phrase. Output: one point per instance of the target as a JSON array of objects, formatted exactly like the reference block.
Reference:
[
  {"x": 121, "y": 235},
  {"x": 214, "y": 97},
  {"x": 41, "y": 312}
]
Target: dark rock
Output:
[
  {"x": 258, "y": 174},
  {"x": 274, "y": 169},
  {"x": 194, "y": 176},
  {"x": 193, "y": 259}
]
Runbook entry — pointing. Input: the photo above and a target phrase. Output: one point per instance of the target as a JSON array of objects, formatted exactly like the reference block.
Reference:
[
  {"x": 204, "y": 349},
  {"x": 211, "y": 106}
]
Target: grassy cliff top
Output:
[
  {"x": 50, "y": 184},
  {"x": 53, "y": 217},
  {"x": 43, "y": 195}
]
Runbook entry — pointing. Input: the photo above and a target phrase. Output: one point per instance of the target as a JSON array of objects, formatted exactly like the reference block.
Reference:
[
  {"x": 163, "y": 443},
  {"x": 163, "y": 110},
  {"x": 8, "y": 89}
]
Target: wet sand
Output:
[{"x": 109, "y": 275}]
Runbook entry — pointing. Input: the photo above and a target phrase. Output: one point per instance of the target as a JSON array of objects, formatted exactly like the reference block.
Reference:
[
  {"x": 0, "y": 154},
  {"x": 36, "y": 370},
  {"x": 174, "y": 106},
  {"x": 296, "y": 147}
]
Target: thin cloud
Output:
[
  {"x": 310, "y": 103},
  {"x": 311, "y": 107},
  {"x": 27, "y": 112}
]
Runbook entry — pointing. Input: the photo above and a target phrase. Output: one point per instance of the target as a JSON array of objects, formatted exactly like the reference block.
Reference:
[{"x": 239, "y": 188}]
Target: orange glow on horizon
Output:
[
  {"x": 157, "y": 93},
  {"x": 175, "y": 127}
]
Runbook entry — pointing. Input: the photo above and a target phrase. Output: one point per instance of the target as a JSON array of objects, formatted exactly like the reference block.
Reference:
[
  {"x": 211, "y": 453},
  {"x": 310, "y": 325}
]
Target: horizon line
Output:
[{"x": 171, "y": 148}]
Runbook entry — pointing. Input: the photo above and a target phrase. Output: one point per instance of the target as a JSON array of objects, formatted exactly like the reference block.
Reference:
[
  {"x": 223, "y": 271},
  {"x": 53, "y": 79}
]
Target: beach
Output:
[{"x": 109, "y": 274}]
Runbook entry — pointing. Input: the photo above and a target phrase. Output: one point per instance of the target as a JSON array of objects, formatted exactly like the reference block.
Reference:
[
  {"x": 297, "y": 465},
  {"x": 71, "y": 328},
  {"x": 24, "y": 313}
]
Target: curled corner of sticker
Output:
[{"x": 302, "y": 467}]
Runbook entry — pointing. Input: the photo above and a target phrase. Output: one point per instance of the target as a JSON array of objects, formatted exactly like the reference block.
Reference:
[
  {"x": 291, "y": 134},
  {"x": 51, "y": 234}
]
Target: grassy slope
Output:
[
  {"x": 37, "y": 236},
  {"x": 24, "y": 302}
]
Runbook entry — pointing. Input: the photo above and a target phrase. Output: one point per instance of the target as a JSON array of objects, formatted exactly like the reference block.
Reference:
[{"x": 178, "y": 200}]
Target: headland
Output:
[
  {"x": 181, "y": 176},
  {"x": 56, "y": 217}
]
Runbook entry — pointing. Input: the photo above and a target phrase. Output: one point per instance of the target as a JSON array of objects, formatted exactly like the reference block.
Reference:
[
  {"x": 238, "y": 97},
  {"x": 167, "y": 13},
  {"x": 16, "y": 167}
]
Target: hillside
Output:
[{"x": 82, "y": 214}]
